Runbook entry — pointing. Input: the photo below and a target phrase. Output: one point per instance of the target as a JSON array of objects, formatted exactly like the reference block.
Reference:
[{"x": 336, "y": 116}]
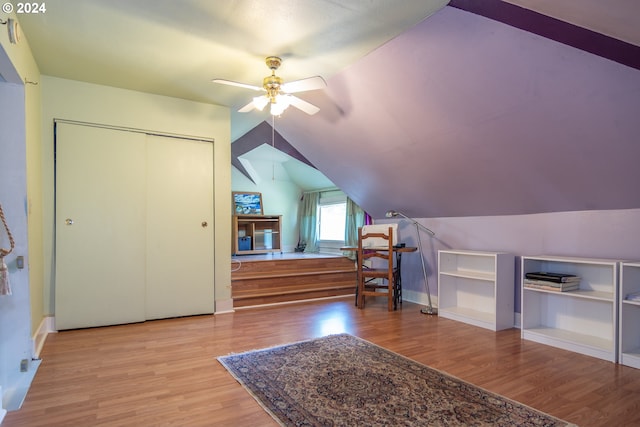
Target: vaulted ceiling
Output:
[{"x": 472, "y": 108}]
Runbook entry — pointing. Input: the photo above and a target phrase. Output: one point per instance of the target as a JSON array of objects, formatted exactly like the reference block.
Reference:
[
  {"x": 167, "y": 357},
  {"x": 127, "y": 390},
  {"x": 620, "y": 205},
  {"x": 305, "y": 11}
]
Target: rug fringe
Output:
[{"x": 286, "y": 345}]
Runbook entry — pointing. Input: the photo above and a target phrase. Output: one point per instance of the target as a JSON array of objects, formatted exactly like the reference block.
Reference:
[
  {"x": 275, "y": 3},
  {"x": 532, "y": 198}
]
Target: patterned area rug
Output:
[{"x": 342, "y": 380}]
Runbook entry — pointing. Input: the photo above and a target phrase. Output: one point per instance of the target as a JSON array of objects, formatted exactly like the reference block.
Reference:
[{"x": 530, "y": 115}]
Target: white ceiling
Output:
[{"x": 175, "y": 47}]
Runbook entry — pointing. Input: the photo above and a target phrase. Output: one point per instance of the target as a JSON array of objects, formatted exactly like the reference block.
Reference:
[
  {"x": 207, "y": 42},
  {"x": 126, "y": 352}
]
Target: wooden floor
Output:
[{"x": 165, "y": 372}]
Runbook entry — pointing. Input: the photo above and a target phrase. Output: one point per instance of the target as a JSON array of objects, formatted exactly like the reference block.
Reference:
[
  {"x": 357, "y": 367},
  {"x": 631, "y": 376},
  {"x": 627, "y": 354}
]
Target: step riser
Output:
[
  {"x": 302, "y": 282},
  {"x": 280, "y": 281},
  {"x": 284, "y": 267},
  {"x": 277, "y": 299}
]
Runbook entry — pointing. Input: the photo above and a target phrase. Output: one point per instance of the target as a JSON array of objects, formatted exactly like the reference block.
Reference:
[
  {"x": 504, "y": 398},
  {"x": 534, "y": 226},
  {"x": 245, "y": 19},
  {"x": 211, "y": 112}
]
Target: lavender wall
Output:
[{"x": 611, "y": 234}]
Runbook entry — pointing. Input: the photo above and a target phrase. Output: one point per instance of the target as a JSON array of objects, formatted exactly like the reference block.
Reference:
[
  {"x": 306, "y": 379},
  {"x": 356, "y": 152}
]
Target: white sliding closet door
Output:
[
  {"x": 134, "y": 227},
  {"x": 100, "y": 226},
  {"x": 179, "y": 228}
]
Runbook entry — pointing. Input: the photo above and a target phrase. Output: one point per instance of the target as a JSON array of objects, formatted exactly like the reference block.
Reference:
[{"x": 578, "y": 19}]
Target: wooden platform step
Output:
[{"x": 275, "y": 279}]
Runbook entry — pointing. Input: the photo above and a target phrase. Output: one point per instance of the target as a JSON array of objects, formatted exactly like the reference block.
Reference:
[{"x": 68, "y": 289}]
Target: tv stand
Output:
[{"x": 256, "y": 234}]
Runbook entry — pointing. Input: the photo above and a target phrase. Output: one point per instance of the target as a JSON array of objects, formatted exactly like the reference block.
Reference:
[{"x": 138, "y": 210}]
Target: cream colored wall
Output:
[
  {"x": 79, "y": 101},
  {"x": 25, "y": 65}
]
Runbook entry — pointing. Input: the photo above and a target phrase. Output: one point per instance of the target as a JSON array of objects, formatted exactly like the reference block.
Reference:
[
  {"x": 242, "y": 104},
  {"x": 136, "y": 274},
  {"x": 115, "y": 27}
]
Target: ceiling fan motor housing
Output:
[{"x": 272, "y": 85}]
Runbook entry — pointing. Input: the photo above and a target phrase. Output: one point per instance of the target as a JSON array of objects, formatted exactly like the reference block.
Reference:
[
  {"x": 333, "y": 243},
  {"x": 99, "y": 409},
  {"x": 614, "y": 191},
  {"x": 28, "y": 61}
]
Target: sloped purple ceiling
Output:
[{"x": 466, "y": 116}]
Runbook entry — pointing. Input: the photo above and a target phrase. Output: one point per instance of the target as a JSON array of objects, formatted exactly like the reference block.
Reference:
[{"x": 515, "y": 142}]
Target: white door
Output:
[
  {"x": 179, "y": 228},
  {"x": 100, "y": 227}
]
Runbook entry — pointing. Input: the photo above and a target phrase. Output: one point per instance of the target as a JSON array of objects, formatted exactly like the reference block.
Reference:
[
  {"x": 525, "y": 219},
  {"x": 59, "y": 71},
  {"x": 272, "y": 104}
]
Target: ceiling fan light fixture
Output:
[
  {"x": 277, "y": 109},
  {"x": 281, "y": 103}
]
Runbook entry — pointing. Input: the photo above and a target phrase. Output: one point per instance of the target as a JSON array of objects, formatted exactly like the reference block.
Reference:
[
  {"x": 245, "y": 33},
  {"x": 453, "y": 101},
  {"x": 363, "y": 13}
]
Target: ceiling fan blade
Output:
[
  {"x": 303, "y": 105},
  {"x": 232, "y": 83},
  {"x": 249, "y": 107},
  {"x": 310, "y": 83}
]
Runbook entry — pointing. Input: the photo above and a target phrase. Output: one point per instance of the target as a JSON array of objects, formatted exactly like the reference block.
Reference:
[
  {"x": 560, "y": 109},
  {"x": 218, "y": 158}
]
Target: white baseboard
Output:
[
  {"x": 224, "y": 306},
  {"x": 46, "y": 327},
  {"x": 419, "y": 298}
]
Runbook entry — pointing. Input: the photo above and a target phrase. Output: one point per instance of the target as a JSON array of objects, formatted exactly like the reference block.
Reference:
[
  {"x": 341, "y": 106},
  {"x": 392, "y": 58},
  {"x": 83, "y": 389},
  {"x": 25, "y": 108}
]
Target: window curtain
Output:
[
  {"x": 355, "y": 218},
  {"x": 309, "y": 221}
]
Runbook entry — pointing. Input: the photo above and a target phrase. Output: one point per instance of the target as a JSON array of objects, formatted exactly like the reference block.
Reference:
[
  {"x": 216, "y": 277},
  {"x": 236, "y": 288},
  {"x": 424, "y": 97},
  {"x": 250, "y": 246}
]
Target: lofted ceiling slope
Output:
[
  {"x": 465, "y": 116},
  {"x": 453, "y": 115}
]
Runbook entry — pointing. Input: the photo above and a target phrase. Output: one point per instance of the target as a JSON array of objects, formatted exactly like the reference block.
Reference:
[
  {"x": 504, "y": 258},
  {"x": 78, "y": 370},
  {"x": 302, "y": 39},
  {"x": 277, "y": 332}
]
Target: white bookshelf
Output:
[
  {"x": 629, "y": 326},
  {"x": 476, "y": 288},
  {"x": 584, "y": 320}
]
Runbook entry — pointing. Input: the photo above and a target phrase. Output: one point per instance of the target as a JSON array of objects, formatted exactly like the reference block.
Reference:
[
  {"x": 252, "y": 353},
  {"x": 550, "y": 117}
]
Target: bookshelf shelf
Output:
[
  {"x": 629, "y": 337},
  {"x": 256, "y": 234},
  {"x": 478, "y": 275},
  {"x": 582, "y": 320},
  {"x": 476, "y": 288},
  {"x": 603, "y": 296},
  {"x": 574, "y": 341}
]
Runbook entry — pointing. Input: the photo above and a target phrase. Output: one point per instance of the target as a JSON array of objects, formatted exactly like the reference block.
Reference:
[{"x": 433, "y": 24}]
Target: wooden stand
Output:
[{"x": 256, "y": 234}]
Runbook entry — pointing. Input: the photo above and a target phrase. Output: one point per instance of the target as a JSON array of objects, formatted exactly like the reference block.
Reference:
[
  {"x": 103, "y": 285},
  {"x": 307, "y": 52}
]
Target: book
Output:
[
  {"x": 551, "y": 286},
  {"x": 549, "y": 283},
  {"x": 553, "y": 277},
  {"x": 634, "y": 296}
]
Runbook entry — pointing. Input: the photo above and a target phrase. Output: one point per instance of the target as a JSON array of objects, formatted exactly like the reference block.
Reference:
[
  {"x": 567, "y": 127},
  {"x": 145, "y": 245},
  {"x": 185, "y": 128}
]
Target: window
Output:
[
  {"x": 332, "y": 221},
  {"x": 332, "y": 212}
]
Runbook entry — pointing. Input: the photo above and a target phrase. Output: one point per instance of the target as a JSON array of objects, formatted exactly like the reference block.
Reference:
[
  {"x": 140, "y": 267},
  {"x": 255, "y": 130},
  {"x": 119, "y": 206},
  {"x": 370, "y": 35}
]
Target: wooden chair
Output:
[{"x": 368, "y": 285}]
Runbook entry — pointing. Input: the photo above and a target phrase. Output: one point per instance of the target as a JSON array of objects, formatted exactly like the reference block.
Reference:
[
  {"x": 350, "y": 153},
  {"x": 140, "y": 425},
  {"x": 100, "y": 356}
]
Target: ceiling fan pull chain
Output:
[{"x": 273, "y": 145}]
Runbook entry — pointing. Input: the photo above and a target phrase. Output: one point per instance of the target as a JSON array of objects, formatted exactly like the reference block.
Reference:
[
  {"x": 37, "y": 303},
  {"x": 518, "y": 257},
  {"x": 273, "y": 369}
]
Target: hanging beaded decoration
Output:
[{"x": 5, "y": 287}]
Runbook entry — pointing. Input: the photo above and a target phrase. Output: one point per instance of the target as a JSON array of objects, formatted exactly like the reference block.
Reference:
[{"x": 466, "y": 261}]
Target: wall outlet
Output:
[{"x": 24, "y": 365}]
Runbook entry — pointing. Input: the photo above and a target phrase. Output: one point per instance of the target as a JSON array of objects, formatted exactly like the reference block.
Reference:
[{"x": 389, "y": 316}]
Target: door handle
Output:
[
  {"x": 68, "y": 221},
  {"x": 204, "y": 224}
]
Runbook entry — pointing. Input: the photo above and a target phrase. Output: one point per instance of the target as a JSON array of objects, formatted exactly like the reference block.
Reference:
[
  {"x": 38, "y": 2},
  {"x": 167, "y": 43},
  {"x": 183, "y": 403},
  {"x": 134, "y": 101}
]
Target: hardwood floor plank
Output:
[{"x": 165, "y": 372}]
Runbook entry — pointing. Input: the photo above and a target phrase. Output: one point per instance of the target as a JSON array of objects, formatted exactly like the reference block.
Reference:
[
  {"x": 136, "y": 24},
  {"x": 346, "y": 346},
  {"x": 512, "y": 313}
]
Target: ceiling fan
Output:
[{"x": 277, "y": 93}]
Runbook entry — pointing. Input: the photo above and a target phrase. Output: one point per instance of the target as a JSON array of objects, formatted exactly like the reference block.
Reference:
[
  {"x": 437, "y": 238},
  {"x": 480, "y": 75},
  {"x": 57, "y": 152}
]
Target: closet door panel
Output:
[
  {"x": 100, "y": 226},
  {"x": 179, "y": 228}
]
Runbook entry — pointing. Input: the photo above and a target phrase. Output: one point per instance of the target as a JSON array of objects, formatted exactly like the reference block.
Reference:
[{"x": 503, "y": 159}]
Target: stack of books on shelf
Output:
[
  {"x": 557, "y": 282},
  {"x": 634, "y": 296}
]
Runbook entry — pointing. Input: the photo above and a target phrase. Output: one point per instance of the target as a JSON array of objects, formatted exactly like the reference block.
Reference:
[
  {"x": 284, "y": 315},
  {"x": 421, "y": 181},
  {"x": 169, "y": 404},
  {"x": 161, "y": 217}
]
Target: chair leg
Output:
[
  {"x": 390, "y": 296},
  {"x": 397, "y": 291}
]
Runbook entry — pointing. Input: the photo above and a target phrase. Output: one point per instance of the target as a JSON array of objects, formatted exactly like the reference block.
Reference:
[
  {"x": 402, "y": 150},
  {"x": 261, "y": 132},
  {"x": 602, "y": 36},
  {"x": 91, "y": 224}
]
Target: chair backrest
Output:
[
  {"x": 378, "y": 242},
  {"x": 383, "y": 247}
]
